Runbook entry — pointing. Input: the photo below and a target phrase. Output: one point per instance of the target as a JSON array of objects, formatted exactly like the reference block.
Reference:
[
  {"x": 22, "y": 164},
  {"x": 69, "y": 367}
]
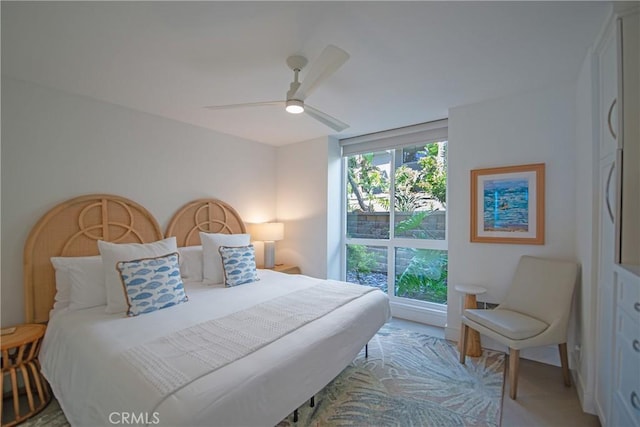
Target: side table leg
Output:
[
  {"x": 27, "y": 387},
  {"x": 461, "y": 339},
  {"x": 43, "y": 393},
  {"x": 14, "y": 388},
  {"x": 474, "y": 347}
]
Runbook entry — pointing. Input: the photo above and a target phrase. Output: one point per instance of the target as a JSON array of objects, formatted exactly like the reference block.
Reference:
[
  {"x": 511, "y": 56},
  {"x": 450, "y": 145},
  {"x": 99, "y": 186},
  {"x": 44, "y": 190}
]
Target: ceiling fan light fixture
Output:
[
  {"x": 294, "y": 106},
  {"x": 331, "y": 58}
]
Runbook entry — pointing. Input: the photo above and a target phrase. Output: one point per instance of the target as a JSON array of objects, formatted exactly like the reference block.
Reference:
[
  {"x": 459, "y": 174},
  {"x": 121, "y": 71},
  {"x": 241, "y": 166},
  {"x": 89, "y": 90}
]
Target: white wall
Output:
[
  {"x": 305, "y": 197},
  {"x": 56, "y": 146},
  {"x": 533, "y": 127}
]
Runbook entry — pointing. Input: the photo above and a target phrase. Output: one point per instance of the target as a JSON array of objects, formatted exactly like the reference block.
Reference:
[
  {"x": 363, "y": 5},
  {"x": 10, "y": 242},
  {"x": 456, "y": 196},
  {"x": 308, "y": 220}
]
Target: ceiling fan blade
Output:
[
  {"x": 244, "y": 105},
  {"x": 326, "y": 119},
  {"x": 326, "y": 64}
]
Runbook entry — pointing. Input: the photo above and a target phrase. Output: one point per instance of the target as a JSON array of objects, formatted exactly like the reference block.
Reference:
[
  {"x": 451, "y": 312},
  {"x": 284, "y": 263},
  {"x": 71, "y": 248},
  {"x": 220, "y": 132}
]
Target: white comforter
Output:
[{"x": 80, "y": 358}]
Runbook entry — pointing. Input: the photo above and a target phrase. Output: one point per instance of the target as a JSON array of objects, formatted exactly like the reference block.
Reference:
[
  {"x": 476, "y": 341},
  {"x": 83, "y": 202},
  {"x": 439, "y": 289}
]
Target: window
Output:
[{"x": 395, "y": 192}]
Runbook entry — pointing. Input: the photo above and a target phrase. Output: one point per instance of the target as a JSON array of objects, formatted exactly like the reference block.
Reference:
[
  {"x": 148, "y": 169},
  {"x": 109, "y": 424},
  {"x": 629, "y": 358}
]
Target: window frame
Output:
[{"x": 424, "y": 311}]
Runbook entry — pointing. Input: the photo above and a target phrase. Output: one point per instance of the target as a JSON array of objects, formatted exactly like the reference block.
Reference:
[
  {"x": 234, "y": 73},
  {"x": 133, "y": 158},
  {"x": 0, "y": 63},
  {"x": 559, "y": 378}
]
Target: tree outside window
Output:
[{"x": 419, "y": 217}]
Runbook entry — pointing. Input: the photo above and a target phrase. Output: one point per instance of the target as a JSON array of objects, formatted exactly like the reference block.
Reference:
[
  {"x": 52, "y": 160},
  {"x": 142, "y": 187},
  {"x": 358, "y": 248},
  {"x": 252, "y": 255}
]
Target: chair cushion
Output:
[{"x": 511, "y": 324}]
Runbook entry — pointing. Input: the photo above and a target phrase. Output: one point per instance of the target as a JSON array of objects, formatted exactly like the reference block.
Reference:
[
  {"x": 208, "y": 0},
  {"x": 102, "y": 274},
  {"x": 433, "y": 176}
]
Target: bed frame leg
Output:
[
  {"x": 312, "y": 403},
  {"x": 295, "y": 416},
  {"x": 366, "y": 350}
]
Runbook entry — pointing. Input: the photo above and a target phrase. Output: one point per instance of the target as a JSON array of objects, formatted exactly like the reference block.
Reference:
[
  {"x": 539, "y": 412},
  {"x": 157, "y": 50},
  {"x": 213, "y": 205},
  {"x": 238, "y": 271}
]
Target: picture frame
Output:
[{"x": 507, "y": 204}]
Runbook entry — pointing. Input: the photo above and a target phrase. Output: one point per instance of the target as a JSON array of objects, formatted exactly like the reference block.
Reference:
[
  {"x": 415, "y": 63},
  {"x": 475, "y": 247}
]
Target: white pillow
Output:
[
  {"x": 191, "y": 263},
  {"x": 113, "y": 253},
  {"x": 63, "y": 281},
  {"x": 87, "y": 285},
  {"x": 212, "y": 263}
]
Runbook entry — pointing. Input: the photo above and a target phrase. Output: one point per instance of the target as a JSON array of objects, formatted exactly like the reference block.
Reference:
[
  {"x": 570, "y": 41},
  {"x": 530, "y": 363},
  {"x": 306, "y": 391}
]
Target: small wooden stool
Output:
[
  {"x": 474, "y": 349},
  {"x": 20, "y": 360}
]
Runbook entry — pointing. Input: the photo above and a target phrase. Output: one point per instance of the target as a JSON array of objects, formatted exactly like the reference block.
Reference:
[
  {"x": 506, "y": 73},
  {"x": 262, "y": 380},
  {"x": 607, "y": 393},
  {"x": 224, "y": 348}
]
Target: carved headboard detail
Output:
[
  {"x": 73, "y": 229},
  {"x": 208, "y": 215}
]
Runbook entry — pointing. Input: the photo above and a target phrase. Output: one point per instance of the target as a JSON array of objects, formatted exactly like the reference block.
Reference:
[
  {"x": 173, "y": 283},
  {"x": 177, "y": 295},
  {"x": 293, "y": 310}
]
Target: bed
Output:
[{"x": 107, "y": 368}]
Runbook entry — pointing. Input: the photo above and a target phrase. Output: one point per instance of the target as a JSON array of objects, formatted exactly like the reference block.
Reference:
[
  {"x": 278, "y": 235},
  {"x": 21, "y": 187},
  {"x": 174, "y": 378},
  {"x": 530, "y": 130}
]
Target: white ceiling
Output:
[{"x": 410, "y": 61}]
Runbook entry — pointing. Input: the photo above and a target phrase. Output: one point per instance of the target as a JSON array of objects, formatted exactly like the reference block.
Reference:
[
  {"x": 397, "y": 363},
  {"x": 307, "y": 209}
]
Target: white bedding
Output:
[{"x": 80, "y": 358}]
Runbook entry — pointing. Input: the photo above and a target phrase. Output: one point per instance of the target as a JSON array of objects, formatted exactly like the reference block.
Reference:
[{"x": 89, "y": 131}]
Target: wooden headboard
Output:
[
  {"x": 208, "y": 215},
  {"x": 73, "y": 228}
]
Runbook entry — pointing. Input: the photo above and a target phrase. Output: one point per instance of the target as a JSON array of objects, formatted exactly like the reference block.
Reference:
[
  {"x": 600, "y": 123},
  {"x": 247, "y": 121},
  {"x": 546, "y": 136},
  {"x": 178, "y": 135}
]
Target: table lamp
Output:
[{"x": 269, "y": 233}]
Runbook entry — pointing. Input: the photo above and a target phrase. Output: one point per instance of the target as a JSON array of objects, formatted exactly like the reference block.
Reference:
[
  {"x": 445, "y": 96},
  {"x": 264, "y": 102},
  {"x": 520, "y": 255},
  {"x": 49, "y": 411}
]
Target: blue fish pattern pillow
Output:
[
  {"x": 239, "y": 264},
  {"x": 152, "y": 284}
]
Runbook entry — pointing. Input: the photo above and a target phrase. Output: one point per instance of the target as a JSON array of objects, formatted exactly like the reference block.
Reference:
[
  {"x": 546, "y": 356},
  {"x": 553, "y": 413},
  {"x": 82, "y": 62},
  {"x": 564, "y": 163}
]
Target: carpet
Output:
[{"x": 409, "y": 379}]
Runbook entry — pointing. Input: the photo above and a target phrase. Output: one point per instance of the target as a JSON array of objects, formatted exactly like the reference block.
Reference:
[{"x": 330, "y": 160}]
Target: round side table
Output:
[
  {"x": 474, "y": 348},
  {"x": 21, "y": 369}
]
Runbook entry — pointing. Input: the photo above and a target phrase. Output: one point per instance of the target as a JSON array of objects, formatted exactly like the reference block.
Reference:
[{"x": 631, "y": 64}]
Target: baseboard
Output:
[
  {"x": 587, "y": 398},
  {"x": 600, "y": 414},
  {"x": 451, "y": 334},
  {"x": 586, "y": 395},
  {"x": 420, "y": 315}
]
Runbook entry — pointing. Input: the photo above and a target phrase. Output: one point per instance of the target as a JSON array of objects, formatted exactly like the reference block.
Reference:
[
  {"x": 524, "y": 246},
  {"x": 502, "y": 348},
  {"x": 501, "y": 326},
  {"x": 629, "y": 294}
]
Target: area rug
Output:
[{"x": 409, "y": 379}]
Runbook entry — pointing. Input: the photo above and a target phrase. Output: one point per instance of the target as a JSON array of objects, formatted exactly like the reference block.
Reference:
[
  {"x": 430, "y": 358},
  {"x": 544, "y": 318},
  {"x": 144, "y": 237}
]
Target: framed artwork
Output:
[{"x": 507, "y": 204}]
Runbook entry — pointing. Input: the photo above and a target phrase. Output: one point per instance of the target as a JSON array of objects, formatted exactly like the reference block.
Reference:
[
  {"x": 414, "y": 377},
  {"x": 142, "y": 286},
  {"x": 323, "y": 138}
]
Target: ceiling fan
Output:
[{"x": 325, "y": 65}]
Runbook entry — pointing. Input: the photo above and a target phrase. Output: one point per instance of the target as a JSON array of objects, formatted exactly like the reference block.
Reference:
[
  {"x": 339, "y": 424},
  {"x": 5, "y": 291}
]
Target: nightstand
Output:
[
  {"x": 285, "y": 268},
  {"x": 21, "y": 370}
]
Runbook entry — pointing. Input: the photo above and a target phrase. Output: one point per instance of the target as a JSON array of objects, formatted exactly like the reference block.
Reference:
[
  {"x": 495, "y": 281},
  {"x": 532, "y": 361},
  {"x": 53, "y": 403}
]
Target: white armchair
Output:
[{"x": 534, "y": 313}]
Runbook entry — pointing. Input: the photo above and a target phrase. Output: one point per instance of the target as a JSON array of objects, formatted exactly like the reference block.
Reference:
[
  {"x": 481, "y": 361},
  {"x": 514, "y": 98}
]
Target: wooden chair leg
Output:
[
  {"x": 514, "y": 362},
  {"x": 464, "y": 337},
  {"x": 564, "y": 361}
]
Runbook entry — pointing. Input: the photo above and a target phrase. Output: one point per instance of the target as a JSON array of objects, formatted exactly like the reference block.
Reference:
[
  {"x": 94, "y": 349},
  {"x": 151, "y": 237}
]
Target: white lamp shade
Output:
[{"x": 267, "y": 231}]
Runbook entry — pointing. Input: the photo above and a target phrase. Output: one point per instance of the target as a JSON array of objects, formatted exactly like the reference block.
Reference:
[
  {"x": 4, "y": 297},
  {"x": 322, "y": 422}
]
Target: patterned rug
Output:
[{"x": 409, "y": 379}]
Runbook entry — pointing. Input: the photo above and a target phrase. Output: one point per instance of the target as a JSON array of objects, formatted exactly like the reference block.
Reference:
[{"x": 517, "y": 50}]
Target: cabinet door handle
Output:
[
  {"x": 637, "y": 306},
  {"x": 613, "y": 134},
  {"x": 635, "y": 401},
  {"x": 636, "y": 345},
  {"x": 606, "y": 193}
]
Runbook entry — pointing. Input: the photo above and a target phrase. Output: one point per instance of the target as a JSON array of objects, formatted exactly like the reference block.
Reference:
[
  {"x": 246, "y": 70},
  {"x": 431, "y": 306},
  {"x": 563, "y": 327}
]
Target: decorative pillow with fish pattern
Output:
[
  {"x": 239, "y": 264},
  {"x": 152, "y": 284}
]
